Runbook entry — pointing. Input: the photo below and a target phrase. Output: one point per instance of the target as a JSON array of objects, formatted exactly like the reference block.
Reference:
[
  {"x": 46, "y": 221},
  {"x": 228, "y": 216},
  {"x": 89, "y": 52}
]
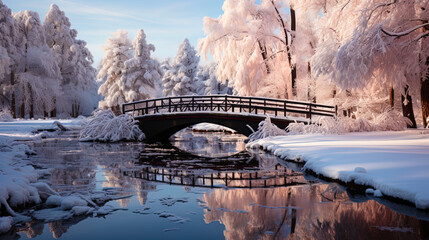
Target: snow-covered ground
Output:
[
  {"x": 394, "y": 164},
  {"x": 19, "y": 184}
]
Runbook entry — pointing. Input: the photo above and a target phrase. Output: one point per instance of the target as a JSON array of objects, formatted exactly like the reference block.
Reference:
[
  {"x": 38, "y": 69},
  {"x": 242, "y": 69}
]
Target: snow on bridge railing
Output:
[{"x": 228, "y": 103}]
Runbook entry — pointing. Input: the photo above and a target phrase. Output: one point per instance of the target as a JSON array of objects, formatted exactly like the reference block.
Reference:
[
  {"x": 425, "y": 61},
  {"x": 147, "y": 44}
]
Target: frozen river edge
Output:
[{"x": 390, "y": 164}]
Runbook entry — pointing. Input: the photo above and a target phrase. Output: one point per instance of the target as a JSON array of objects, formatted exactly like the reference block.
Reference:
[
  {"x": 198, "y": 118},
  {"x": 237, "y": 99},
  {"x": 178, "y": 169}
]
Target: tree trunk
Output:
[
  {"x": 31, "y": 103},
  {"x": 13, "y": 103},
  {"x": 289, "y": 56},
  {"x": 407, "y": 110},
  {"x": 22, "y": 110},
  {"x": 392, "y": 97},
  {"x": 54, "y": 111},
  {"x": 264, "y": 54},
  {"x": 424, "y": 95},
  {"x": 293, "y": 29}
]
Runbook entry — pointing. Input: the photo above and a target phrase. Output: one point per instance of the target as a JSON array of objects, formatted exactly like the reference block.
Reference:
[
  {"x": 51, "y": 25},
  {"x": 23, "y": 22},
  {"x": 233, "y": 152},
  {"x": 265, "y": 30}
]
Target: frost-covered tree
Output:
[
  {"x": 75, "y": 62},
  {"x": 117, "y": 51},
  {"x": 37, "y": 78},
  {"x": 209, "y": 84},
  {"x": 251, "y": 42},
  {"x": 368, "y": 43},
  {"x": 179, "y": 79},
  {"x": 141, "y": 78},
  {"x": 11, "y": 54}
]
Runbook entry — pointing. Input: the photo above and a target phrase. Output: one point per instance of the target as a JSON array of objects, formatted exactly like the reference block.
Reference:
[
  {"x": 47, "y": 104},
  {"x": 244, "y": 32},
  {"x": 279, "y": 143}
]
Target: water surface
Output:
[{"x": 207, "y": 186}]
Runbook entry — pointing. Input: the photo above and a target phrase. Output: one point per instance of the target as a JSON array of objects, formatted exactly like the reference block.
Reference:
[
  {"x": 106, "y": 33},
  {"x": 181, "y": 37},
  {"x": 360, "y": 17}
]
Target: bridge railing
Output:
[{"x": 228, "y": 103}]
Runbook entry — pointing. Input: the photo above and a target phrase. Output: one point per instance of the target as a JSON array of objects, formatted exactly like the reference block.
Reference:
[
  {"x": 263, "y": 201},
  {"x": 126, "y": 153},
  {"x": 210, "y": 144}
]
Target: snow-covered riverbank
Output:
[{"x": 395, "y": 163}]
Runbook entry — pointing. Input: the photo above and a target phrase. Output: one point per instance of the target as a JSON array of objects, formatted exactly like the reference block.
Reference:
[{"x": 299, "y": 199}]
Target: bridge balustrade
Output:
[{"x": 228, "y": 103}]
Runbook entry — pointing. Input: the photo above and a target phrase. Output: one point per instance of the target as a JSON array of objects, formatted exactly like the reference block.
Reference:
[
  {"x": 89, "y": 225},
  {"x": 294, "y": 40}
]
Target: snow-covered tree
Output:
[
  {"x": 75, "y": 62},
  {"x": 179, "y": 79},
  {"x": 141, "y": 78},
  {"x": 117, "y": 50},
  {"x": 37, "y": 80},
  {"x": 208, "y": 83},
  {"x": 368, "y": 43},
  {"x": 10, "y": 55},
  {"x": 250, "y": 41}
]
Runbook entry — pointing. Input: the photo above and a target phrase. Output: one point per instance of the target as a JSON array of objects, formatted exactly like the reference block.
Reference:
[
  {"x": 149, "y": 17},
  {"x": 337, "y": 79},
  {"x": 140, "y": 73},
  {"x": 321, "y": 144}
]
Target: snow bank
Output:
[
  {"x": 387, "y": 121},
  {"x": 19, "y": 186},
  {"x": 104, "y": 126},
  {"x": 266, "y": 129},
  {"x": 395, "y": 164}
]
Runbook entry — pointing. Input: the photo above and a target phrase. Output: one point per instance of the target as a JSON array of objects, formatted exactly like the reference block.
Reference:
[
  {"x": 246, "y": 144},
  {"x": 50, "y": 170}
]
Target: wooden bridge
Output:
[{"x": 162, "y": 117}]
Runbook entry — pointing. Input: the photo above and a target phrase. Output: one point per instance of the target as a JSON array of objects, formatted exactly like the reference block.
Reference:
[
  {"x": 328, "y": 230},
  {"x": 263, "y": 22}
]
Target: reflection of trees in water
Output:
[
  {"x": 324, "y": 212},
  {"x": 57, "y": 228},
  {"x": 210, "y": 144}
]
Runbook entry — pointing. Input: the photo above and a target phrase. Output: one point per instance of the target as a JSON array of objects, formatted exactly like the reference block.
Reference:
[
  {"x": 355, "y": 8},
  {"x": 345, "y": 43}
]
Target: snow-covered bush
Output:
[
  {"x": 388, "y": 121},
  {"x": 5, "y": 115},
  {"x": 104, "y": 126},
  {"x": 266, "y": 129}
]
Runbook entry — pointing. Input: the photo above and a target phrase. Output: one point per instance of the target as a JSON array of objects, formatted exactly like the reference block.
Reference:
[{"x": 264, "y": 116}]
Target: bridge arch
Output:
[{"x": 162, "y": 126}]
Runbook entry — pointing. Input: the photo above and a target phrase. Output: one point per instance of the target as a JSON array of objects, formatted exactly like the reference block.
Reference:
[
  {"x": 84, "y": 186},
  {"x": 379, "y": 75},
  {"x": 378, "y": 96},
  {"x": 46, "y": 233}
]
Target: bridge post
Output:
[
  {"x": 284, "y": 108},
  {"x": 193, "y": 101},
  {"x": 250, "y": 105},
  {"x": 310, "y": 112},
  {"x": 226, "y": 103},
  {"x": 265, "y": 104},
  {"x": 211, "y": 103},
  {"x": 169, "y": 104}
]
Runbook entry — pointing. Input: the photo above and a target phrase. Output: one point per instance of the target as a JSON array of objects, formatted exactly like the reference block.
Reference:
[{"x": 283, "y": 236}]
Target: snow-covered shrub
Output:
[
  {"x": 104, "y": 126},
  {"x": 5, "y": 115},
  {"x": 391, "y": 120},
  {"x": 266, "y": 129}
]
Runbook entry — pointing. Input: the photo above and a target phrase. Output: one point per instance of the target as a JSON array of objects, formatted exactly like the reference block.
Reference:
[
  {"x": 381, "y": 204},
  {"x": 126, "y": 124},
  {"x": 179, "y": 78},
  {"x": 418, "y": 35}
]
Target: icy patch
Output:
[
  {"x": 104, "y": 126},
  {"x": 142, "y": 211},
  {"x": 169, "y": 201},
  {"x": 5, "y": 224},
  {"x": 172, "y": 217},
  {"x": 52, "y": 214},
  {"x": 170, "y": 229}
]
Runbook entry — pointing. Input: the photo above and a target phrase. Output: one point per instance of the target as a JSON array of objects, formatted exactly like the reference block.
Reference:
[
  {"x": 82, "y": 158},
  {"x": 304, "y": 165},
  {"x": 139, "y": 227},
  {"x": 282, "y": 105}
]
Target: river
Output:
[{"x": 207, "y": 186}]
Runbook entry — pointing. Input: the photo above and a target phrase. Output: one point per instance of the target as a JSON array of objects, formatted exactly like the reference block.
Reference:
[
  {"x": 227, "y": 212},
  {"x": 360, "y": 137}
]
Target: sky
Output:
[{"x": 166, "y": 22}]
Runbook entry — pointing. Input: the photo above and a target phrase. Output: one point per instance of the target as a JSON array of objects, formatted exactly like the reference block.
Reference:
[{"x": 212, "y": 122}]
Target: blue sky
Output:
[{"x": 166, "y": 22}]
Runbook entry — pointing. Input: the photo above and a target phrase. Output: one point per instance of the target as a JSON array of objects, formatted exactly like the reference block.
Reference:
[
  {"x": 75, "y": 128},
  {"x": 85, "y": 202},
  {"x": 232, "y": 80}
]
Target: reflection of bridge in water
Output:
[{"x": 277, "y": 177}]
